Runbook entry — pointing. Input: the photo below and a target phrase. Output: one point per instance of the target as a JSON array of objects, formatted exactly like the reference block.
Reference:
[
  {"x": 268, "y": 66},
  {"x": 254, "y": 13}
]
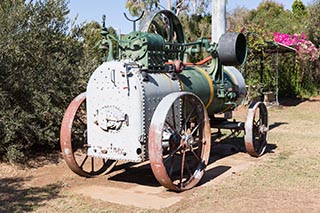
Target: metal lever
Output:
[{"x": 134, "y": 20}]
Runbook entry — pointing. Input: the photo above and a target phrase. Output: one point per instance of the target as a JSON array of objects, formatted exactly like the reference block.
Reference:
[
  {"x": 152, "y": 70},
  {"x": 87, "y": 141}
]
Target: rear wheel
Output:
[
  {"x": 73, "y": 141},
  {"x": 256, "y": 129}
]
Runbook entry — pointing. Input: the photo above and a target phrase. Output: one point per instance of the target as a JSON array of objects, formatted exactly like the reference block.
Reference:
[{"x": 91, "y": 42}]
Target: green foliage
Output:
[
  {"x": 298, "y": 9},
  {"x": 313, "y": 23},
  {"x": 88, "y": 38},
  {"x": 313, "y": 30},
  {"x": 296, "y": 78},
  {"x": 39, "y": 74},
  {"x": 194, "y": 7},
  {"x": 281, "y": 21},
  {"x": 136, "y": 7},
  {"x": 195, "y": 27},
  {"x": 43, "y": 66}
]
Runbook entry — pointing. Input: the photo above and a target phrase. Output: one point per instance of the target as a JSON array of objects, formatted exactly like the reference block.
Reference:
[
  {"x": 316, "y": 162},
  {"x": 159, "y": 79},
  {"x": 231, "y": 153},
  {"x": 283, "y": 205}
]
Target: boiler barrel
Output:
[{"x": 196, "y": 79}]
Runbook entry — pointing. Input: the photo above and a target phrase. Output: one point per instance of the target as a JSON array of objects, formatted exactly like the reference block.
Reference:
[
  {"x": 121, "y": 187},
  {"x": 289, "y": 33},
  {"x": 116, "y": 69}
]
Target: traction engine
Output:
[{"x": 152, "y": 105}]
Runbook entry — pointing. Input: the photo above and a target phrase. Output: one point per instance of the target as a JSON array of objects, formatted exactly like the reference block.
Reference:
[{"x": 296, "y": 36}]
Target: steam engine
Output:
[{"x": 151, "y": 104}]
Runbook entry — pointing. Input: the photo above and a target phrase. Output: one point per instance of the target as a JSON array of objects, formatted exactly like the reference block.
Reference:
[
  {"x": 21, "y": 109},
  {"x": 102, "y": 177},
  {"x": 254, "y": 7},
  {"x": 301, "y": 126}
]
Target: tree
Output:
[
  {"x": 297, "y": 77},
  {"x": 236, "y": 19},
  {"x": 192, "y": 7},
  {"x": 313, "y": 30},
  {"x": 136, "y": 7},
  {"x": 313, "y": 23},
  {"x": 39, "y": 69},
  {"x": 272, "y": 17},
  {"x": 89, "y": 37},
  {"x": 298, "y": 9}
]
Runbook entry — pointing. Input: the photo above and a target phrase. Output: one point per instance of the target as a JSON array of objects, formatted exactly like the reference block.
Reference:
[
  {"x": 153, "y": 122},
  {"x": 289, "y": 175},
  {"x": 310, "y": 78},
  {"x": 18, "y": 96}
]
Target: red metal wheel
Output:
[
  {"x": 179, "y": 141},
  {"x": 73, "y": 141},
  {"x": 256, "y": 129}
]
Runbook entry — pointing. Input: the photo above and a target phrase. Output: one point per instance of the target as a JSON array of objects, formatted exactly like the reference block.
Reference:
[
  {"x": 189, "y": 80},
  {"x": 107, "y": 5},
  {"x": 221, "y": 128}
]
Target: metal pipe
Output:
[{"x": 169, "y": 5}]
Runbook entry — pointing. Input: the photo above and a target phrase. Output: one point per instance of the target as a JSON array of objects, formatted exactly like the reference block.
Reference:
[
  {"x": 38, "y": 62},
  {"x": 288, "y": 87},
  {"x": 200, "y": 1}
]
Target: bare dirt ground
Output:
[{"x": 285, "y": 179}]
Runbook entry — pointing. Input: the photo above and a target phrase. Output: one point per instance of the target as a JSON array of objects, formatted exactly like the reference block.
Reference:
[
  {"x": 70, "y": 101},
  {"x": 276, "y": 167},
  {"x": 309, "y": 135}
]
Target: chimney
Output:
[{"x": 218, "y": 19}]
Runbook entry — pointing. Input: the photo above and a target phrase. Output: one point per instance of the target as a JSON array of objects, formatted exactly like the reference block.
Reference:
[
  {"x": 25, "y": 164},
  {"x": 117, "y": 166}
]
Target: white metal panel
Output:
[
  {"x": 238, "y": 81},
  {"x": 114, "y": 110},
  {"x": 237, "y": 78}
]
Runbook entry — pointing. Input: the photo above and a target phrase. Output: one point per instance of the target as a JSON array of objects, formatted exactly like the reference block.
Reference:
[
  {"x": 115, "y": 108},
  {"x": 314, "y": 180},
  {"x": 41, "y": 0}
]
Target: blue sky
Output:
[{"x": 94, "y": 9}]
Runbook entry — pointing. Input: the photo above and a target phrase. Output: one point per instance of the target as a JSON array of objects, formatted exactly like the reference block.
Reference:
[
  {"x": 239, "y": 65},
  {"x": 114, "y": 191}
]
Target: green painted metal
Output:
[
  {"x": 199, "y": 81},
  {"x": 193, "y": 80},
  {"x": 161, "y": 42},
  {"x": 144, "y": 48}
]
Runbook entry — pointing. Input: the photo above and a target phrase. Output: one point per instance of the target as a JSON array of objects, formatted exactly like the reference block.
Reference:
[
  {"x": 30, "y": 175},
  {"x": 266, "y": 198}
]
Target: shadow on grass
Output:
[
  {"x": 16, "y": 197},
  {"x": 42, "y": 158},
  {"x": 226, "y": 146},
  {"x": 134, "y": 173},
  {"x": 214, "y": 173},
  {"x": 277, "y": 124},
  {"x": 286, "y": 101}
]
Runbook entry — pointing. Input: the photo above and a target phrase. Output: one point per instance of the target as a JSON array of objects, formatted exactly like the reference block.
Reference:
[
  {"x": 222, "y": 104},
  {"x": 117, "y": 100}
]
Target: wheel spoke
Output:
[
  {"x": 195, "y": 154},
  {"x": 83, "y": 162},
  {"x": 170, "y": 127},
  {"x": 196, "y": 128},
  {"x": 92, "y": 164},
  {"x": 172, "y": 153},
  {"x": 187, "y": 119},
  {"x": 258, "y": 121},
  {"x": 81, "y": 121},
  {"x": 183, "y": 157}
]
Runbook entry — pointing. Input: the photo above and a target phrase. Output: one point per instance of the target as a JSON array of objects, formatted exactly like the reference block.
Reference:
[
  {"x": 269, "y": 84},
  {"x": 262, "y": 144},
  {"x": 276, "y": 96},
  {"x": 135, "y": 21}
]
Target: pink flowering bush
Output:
[{"x": 305, "y": 48}]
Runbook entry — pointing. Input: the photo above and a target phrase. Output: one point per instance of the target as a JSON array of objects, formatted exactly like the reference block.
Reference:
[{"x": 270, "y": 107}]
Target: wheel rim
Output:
[
  {"x": 256, "y": 129},
  {"x": 179, "y": 141},
  {"x": 73, "y": 141}
]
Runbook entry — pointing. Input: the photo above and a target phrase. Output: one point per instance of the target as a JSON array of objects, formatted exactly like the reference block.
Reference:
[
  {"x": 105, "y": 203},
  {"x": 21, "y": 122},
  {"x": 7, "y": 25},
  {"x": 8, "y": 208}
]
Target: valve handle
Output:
[{"x": 134, "y": 20}]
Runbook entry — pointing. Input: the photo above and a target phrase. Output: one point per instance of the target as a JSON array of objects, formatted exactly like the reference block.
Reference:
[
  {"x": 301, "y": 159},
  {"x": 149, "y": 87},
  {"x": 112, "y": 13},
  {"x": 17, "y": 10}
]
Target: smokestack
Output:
[{"x": 218, "y": 19}]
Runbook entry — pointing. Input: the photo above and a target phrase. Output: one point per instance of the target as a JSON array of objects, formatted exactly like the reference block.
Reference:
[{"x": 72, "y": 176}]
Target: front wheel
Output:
[{"x": 179, "y": 141}]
